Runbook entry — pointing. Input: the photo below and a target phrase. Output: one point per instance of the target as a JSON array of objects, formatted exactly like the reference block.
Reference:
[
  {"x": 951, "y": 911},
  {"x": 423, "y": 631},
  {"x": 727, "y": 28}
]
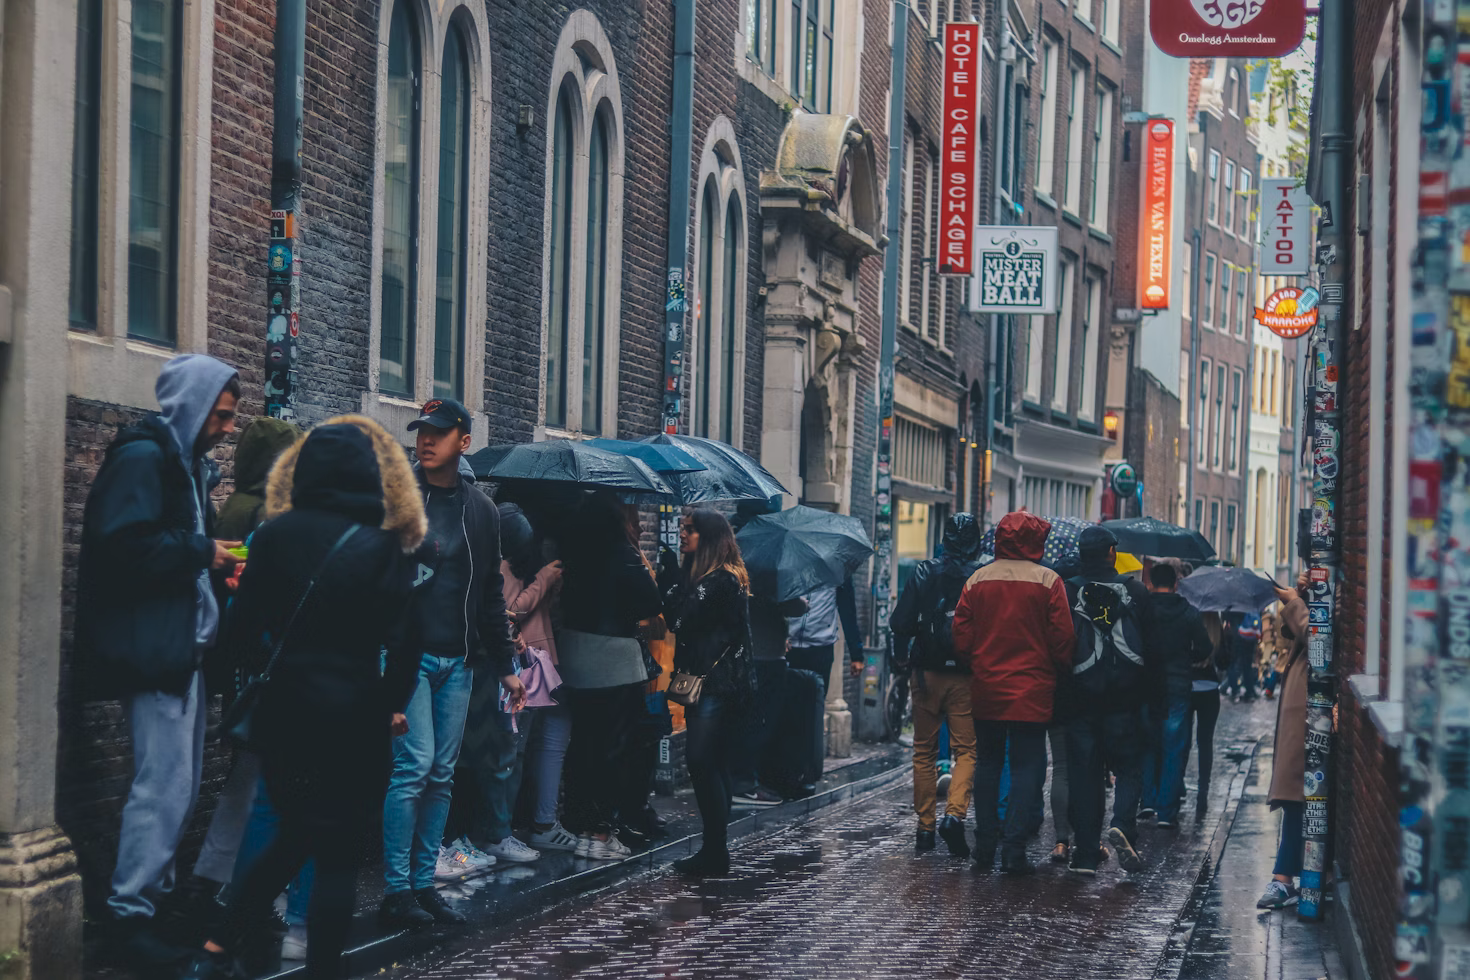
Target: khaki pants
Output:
[{"x": 938, "y": 697}]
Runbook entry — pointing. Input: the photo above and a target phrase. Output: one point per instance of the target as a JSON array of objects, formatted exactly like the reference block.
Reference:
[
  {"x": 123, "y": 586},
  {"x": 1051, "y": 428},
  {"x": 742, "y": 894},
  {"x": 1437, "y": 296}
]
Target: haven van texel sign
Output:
[{"x": 1015, "y": 270}]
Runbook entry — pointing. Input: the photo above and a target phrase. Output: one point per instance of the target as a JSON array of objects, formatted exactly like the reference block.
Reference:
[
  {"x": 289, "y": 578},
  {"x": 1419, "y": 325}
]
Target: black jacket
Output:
[
  {"x": 140, "y": 562},
  {"x": 711, "y": 621},
  {"x": 606, "y": 588},
  {"x": 1073, "y": 702},
  {"x": 486, "y": 627},
  {"x": 1178, "y": 640},
  {"x": 919, "y": 601}
]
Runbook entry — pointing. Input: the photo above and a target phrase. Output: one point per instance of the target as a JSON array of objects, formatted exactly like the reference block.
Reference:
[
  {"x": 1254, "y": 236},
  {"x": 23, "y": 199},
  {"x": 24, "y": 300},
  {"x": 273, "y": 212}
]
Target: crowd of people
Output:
[
  {"x": 1120, "y": 679},
  {"x": 383, "y": 633}
]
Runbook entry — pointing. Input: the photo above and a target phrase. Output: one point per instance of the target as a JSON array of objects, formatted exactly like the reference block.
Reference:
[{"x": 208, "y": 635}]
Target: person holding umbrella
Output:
[{"x": 707, "y": 606}]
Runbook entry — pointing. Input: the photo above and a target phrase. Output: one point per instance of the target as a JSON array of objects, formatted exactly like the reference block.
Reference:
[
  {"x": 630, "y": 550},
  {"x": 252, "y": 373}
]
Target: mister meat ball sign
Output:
[{"x": 1227, "y": 28}]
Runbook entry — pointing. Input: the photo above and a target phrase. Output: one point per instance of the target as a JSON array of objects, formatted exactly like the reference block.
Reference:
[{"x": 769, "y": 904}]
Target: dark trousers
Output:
[
  {"x": 818, "y": 660},
  {"x": 1195, "y": 713},
  {"x": 332, "y": 843},
  {"x": 1289, "y": 848},
  {"x": 1027, "y": 743},
  {"x": 1097, "y": 744},
  {"x": 597, "y": 779},
  {"x": 707, "y": 751},
  {"x": 752, "y": 735}
]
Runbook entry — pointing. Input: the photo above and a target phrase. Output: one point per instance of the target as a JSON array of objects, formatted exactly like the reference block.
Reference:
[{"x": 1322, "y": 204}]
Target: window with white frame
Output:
[
  {"x": 1225, "y": 277},
  {"x": 452, "y": 257},
  {"x": 1232, "y": 86},
  {"x": 85, "y": 175},
  {"x": 1091, "y": 321},
  {"x": 931, "y": 285},
  {"x": 1202, "y": 437},
  {"x": 1102, "y": 157},
  {"x": 583, "y": 252},
  {"x": 1083, "y": 10},
  {"x": 1061, "y": 389},
  {"x": 717, "y": 352},
  {"x": 1247, "y": 210},
  {"x": 1186, "y": 291},
  {"x": 1229, "y": 220},
  {"x": 1207, "y": 295},
  {"x": 760, "y": 33},
  {"x": 906, "y": 223},
  {"x": 1108, "y": 19},
  {"x": 398, "y": 279},
  {"x": 1213, "y": 192},
  {"x": 1047, "y": 146},
  {"x": 1232, "y": 449},
  {"x": 1072, "y": 200},
  {"x": 1035, "y": 343}
]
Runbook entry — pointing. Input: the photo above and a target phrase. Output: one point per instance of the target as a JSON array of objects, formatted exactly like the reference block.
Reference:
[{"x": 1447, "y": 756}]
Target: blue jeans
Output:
[
  {"x": 259, "y": 832},
  {"x": 1174, "y": 740},
  {"x": 417, "y": 804}
]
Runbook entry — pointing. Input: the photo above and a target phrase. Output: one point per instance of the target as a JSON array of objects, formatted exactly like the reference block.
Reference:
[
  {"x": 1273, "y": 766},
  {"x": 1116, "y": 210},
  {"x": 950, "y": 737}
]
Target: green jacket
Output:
[{"x": 260, "y": 445}]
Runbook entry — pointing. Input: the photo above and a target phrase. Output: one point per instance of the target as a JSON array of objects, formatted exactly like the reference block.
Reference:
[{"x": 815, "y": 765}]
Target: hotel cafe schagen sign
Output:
[
  {"x": 1227, "y": 28},
  {"x": 1015, "y": 269}
]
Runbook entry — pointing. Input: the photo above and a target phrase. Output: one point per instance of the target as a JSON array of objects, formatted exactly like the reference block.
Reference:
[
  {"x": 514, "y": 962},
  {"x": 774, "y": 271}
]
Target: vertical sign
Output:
[
  {"x": 1156, "y": 243},
  {"x": 960, "y": 150},
  {"x": 1286, "y": 227}
]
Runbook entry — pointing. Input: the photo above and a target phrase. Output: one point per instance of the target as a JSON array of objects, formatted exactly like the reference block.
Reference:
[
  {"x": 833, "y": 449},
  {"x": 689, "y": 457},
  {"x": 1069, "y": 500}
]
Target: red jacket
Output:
[{"x": 1014, "y": 624}]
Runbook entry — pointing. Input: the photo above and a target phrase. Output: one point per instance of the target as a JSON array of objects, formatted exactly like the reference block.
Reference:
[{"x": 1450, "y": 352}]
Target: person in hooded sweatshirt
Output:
[
  {"x": 328, "y": 587},
  {"x": 1012, "y": 627},
  {"x": 1181, "y": 645},
  {"x": 921, "y": 625},
  {"x": 147, "y": 612}
]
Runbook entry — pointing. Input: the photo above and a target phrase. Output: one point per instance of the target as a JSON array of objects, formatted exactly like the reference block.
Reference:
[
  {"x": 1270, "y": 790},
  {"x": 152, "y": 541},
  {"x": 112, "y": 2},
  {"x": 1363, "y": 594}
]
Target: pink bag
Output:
[{"x": 539, "y": 677}]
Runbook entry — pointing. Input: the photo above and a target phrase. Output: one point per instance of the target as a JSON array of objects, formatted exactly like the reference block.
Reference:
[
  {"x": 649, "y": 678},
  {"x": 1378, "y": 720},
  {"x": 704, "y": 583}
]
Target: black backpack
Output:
[
  {"x": 936, "y": 621},
  {"x": 1108, "y": 659}
]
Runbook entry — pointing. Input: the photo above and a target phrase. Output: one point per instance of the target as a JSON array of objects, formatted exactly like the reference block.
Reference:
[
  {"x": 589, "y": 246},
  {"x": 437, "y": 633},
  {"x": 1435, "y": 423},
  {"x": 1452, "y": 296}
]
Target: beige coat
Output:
[{"x": 1291, "y": 709}]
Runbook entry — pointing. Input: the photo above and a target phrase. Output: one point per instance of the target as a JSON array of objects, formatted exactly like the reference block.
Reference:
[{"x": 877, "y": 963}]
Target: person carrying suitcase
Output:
[{"x": 924, "y": 643}]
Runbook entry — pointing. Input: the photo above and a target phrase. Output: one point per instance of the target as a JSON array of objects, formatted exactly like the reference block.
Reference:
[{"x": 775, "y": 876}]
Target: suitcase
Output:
[{"x": 797, "y": 748}]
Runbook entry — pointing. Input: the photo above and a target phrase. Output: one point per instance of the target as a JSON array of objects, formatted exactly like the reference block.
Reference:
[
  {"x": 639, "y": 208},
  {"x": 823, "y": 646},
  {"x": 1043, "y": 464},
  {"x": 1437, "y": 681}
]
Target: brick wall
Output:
[{"x": 1152, "y": 443}]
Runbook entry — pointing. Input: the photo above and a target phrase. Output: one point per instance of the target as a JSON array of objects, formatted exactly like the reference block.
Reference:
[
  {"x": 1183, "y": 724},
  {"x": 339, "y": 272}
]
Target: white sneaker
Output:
[
  {"x": 453, "y": 864},
  {"x": 555, "y": 838},
  {"x": 611, "y": 849},
  {"x": 481, "y": 860},
  {"x": 511, "y": 851},
  {"x": 293, "y": 947},
  {"x": 584, "y": 845}
]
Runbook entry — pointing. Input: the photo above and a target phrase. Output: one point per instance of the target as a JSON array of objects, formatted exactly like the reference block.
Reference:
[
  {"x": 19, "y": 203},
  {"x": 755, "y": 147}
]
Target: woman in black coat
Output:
[
  {"x": 708, "y": 611},
  {"x": 344, "y": 514}
]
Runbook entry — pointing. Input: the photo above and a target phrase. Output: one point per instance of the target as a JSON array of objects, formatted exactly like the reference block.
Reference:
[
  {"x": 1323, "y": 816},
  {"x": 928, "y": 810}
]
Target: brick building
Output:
[{"x": 531, "y": 147}]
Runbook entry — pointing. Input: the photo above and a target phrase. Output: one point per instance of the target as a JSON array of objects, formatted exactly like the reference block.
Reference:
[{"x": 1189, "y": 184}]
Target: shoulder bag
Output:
[
  {"x": 237, "y": 722},
  {"x": 686, "y": 689}
]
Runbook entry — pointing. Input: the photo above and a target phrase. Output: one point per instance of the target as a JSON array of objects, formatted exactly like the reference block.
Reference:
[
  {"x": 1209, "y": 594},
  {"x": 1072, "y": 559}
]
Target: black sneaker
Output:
[
  {"x": 1017, "y": 864},
  {"x": 1147, "y": 813},
  {"x": 400, "y": 911},
  {"x": 703, "y": 864},
  {"x": 1128, "y": 858},
  {"x": 760, "y": 796},
  {"x": 441, "y": 911},
  {"x": 984, "y": 854},
  {"x": 923, "y": 840},
  {"x": 952, "y": 829}
]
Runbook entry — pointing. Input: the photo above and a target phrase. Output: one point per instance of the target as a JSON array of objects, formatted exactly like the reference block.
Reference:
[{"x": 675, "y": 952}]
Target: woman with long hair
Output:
[{"x": 708, "y": 610}]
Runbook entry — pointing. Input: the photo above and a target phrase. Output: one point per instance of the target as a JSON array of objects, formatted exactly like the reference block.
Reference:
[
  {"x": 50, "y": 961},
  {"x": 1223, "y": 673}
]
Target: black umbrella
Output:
[
  {"x": 566, "y": 461},
  {"x": 728, "y": 473},
  {"x": 1222, "y": 589},
  {"x": 1061, "y": 542},
  {"x": 800, "y": 550},
  {"x": 1149, "y": 536}
]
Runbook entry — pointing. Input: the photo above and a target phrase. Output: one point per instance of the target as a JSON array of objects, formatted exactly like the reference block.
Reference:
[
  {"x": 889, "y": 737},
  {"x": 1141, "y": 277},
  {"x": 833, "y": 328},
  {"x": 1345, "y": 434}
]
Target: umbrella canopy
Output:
[
  {"x": 800, "y": 550},
  {"x": 1150, "y": 536},
  {"x": 566, "y": 461},
  {"x": 1127, "y": 564},
  {"x": 728, "y": 473},
  {"x": 1061, "y": 541},
  {"x": 660, "y": 459},
  {"x": 1223, "y": 589}
]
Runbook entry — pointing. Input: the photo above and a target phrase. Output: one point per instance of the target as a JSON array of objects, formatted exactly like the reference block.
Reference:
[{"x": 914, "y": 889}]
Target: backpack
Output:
[
  {"x": 936, "y": 621},
  {"x": 1108, "y": 660}
]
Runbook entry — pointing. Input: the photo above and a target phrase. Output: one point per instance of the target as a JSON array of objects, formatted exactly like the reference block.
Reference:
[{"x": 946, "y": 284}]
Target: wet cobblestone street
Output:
[{"x": 844, "y": 895}]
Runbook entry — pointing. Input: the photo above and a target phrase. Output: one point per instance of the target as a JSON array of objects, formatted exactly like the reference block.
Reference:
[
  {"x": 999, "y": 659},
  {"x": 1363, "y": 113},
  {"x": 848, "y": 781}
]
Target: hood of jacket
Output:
[
  {"x": 187, "y": 388},
  {"x": 261, "y": 442},
  {"x": 962, "y": 539},
  {"x": 392, "y": 486},
  {"x": 1021, "y": 536}
]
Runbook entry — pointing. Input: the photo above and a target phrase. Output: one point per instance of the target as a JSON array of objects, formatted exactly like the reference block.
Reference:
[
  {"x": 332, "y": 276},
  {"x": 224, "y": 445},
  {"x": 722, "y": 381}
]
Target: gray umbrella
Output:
[
  {"x": 1224, "y": 589},
  {"x": 800, "y": 550},
  {"x": 566, "y": 461},
  {"x": 728, "y": 473}
]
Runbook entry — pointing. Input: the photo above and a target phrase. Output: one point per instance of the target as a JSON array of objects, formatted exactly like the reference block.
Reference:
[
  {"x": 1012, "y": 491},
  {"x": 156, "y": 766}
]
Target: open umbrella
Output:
[
  {"x": 660, "y": 459},
  {"x": 566, "y": 461},
  {"x": 1061, "y": 541},
  {"x": 1150, "y": 536},
  {"x": 796, "y": 551},
  {"x": 728, "y": 473},
  {"x": 1227, "y": 589}
]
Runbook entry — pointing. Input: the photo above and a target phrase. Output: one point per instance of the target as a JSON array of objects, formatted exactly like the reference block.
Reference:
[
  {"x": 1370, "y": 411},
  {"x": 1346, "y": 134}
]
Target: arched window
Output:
[
  {"x": 400, "y": 206},
  {"x": 717, "y": 349},
  {"x": 583, "y": 250},
  {"x": 449, "y": 289}
]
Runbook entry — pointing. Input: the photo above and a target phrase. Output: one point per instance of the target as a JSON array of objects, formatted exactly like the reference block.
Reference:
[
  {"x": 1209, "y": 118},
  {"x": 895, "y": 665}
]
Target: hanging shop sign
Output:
[
  {"x": 960, "y": 149},
  {"x": 1125, "y": 480},
  {"x": 1227, "y": 28},
  {"x": 1286, "y": 227},
  {"x": 1155, "y": 244},
  {"x": 1015, "y": 270},
  {"x": 1289, "y": 312}
]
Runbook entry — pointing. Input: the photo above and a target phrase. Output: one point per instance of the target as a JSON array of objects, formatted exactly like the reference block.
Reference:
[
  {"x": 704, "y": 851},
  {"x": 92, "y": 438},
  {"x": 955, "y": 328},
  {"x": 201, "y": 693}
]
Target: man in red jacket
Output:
[{"x": 1015, "y": 626}]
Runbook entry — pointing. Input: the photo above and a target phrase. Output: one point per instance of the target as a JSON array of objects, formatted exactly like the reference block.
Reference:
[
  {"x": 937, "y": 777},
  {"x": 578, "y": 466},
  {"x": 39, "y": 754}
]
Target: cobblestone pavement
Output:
[{"x": 844, "y": 895}]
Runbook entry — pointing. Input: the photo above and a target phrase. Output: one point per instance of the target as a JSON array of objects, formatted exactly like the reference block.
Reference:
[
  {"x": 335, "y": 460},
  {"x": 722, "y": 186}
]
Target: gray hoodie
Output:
[{"x": 187, "y": 388}]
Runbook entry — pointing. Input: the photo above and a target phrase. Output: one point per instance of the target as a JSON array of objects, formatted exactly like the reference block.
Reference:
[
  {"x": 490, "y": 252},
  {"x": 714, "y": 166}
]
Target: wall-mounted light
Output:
[{"x": 1110, "y": 424}]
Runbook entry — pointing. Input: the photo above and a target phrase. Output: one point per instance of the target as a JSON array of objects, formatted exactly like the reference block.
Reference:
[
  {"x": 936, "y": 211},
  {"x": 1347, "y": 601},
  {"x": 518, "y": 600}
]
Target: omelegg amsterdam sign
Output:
[
  {"x": 960, "y": 149},
  {"x": 1227, "y": 28}
]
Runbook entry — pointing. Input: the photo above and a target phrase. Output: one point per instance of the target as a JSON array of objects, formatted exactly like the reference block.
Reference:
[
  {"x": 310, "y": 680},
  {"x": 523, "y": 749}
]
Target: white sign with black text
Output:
[
  {"x": 1015, "y": 269},
  {"x": 1286, "y": 227}
]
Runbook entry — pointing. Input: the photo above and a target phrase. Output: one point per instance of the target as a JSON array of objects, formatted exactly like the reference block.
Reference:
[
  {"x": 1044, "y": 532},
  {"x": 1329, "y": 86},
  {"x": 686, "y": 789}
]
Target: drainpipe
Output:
[
  {"x": 676, "y": 301},
  {"x": 283, "y": 282},
  {"x": 1006, "y": 55}
]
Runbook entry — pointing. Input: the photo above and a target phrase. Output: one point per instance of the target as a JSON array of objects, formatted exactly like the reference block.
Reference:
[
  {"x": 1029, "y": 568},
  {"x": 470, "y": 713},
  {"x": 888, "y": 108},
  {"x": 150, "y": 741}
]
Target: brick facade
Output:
[{"x": 1152, "y": 445}]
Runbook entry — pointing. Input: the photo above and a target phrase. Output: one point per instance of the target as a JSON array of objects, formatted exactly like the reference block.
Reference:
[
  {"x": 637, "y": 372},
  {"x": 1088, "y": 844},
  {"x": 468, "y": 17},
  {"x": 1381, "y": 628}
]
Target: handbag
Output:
[
  {"x": 686, "y": 689},
  {"x": 237, "y": 723},
  {"x": 538, "y": 676}
]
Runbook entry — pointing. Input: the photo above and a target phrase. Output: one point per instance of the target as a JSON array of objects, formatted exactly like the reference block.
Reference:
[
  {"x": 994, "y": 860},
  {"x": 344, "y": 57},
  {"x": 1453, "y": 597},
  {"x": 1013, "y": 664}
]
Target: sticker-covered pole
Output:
[{"x": 283, "y": 275}]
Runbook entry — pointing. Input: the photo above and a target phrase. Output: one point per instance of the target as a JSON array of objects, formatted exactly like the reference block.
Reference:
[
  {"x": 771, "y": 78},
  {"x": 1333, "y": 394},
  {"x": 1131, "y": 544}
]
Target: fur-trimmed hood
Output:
[{"x": 403, "y": 509}]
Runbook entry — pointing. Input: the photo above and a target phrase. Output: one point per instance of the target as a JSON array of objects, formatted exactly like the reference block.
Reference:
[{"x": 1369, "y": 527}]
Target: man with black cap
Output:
[
  {"x": 459, "y": 613},
  {"x": 1102, "y": 702},
  {"x": 923, "y": 640}
]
